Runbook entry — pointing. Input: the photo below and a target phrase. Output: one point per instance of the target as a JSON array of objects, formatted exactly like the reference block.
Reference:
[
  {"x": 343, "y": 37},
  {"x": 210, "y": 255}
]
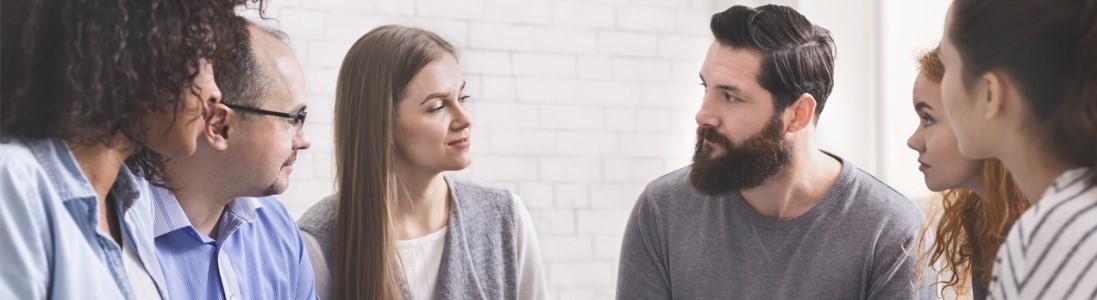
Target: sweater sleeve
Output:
[
  {"x": 531, "y": 279},
  {"x": 642, "y": 273}
]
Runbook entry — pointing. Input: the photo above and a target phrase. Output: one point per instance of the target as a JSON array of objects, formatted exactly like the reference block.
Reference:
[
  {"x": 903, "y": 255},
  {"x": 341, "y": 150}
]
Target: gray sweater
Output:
[
  {"x": 685, "y": 245},
  {"x": 490, "y": 251}
]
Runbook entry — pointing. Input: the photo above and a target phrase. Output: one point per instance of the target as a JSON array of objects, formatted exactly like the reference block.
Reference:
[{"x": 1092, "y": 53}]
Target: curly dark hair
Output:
[{"x": 94, "y": 71}]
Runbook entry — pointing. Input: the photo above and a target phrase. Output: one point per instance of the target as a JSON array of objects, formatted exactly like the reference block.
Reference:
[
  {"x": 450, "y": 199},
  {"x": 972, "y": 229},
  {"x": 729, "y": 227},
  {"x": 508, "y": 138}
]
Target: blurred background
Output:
[{"x": 578, "y": 104}]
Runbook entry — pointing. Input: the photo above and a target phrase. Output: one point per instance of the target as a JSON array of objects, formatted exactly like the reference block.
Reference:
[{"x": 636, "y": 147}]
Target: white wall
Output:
[{"x": 579, "y": 103}]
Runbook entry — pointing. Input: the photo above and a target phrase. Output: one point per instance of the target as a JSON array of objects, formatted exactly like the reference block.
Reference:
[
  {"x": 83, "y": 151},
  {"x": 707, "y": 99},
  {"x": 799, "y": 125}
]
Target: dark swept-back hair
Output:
[
  {"x": 1049, "y": 55},
  {"x": 95, "y": 71},
  {"x": 797, "y": 56}
]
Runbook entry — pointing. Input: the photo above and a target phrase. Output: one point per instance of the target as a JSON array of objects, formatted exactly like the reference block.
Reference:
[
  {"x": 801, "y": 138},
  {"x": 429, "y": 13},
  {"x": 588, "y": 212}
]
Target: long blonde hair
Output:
[
  {"x": 969, "y": 229},
  {"x": 371, "y": 79}
]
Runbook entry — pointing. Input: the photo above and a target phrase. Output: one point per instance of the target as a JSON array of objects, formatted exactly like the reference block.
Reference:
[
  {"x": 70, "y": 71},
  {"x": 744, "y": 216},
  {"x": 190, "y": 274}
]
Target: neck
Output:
[
  {"x": 201, "y": 193},
  {"x": 423, "y": 205},
  {"x": 797, "y": 188},
  {"x": 1033, "y": 170},
  {"x": 100, "y": 164}
]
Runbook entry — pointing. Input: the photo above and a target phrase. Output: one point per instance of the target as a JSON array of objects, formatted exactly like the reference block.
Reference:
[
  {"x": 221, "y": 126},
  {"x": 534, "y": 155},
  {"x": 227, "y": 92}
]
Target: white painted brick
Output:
[
  {"x": 565, "y": 40},
  {"x": 328, "y": 53},
  {"x": 664, "y": 4},
  {"x": 554, "y": 222},
  {"x": 620, "y": 119},
  {"x": 503, "y": 168},
  {"x": 506, "y": 115},
  {"x": 652, "y": 120},
  {"x": 607, "y": 247},
  {"x": 547, "y": 90},
  {"x": 632, "y": 170},
  {"x": 321, "y": 109},
  {"x": 571, "y": 117},
  {"x": 301, "y": 24},
  {"x": 321, "y": 80},
  {"x": 494, "y": 36},
  {"x": 344, "y": 26},
  {"x": 342, "y": 5},
  {"x": 572, "y": 195},
  {"x": 683, "y": 47},
  {"x": 683, "y": 120},
  {"x": 323, "y": 163},
  {"x": 695, "y": 22},
  {"x": 610, "y": 221},
  {"x": 484, "y": 62},
  {"x": 583, "y": 15},
  {"x": 566, "y": 248},
  {"x": 641, "y": 69},
  {"x": 653, "y": 145},
  {"x": 609, "y": 93},
  {"x": 536, "y": 195},
  {"x": 580, "y": 274},
  {"x": 302, "y": 194},
  {"x": 544, "y": 65},
  {"x": 454, "y": 32},
  {"x": 627, "y": 43},
  {"x": 516, "y": 11},
  {"x": 621, "y": 196},
  {"x": 648, "y": 19},
  {"x": 473, "y": 83},
  {"x": 518, "y": 141},
  {"x": 497, "y": 88},
  {"x": 671, "y": 96},
  {"x": 586, "y": 143},
  {"x": 571, "y": 169},
  {"x": 465, "y": 9},
  {"x": 395, "y": 7},
  {"x": 595, "y": 67},
  {"x": 686, "y": 71},
  {"x": 302, "y": 170}
]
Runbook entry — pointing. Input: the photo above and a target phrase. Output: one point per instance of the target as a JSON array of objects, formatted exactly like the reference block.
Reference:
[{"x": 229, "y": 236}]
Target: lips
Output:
[
  {"x": 459, "y": 142},
  {"x": 922, "y": 166},
  {"x": 292, "y": 159}
]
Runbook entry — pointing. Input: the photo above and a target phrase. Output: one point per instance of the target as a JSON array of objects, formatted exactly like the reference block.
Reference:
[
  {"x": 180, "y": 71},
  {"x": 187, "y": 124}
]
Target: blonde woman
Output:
[{"x": 398, "y": 227}]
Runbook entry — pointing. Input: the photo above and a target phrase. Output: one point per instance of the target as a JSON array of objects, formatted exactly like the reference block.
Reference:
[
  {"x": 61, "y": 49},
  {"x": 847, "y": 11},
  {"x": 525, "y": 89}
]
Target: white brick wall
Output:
[{"x": 577, "y": 104}]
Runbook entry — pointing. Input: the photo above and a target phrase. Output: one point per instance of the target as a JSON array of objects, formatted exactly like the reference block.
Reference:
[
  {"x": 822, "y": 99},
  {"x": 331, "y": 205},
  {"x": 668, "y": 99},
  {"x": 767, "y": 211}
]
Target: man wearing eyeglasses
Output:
[{"x": 219, "y": 233}]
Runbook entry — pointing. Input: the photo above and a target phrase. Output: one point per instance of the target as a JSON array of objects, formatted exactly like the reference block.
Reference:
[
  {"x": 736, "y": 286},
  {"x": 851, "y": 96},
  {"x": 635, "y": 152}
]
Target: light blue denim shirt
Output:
[
  {"x": 50, "y": 242},
  {"x": 258, "y": 252}
]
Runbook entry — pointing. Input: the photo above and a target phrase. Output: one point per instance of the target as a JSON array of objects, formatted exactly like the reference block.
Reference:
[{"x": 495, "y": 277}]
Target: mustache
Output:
[
  {"x": 291, "y": 159},
  {"x": 705, "y": 133}
]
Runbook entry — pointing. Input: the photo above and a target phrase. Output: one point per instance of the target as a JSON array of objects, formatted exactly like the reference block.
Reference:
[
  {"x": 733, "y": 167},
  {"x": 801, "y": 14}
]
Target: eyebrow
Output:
[
  {"x": 729, "y": 88},
  {"x": 440, "y": 95},
  {"x": 921, "y": 105}
]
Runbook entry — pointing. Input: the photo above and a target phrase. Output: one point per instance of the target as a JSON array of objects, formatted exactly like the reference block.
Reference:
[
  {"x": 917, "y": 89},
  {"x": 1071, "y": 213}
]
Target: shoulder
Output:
[
  {"x": 276, "y": 214},
  {"x": 875, "y": 200},
  {"x": 478, "y": 194},
  {"x": 24, "y": 181},
  {"x": 668, "y": 191},
  {"x": 319, "y": 218},
  {"x": 16, "y": 156}
]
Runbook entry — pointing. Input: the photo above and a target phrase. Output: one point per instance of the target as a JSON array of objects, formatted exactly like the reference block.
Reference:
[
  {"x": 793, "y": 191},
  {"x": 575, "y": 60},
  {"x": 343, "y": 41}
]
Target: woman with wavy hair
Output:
[
  {"x": 398, "y": 227},
  {"x": 86, "y": 87},
  {"x": 977, "y": 200}
]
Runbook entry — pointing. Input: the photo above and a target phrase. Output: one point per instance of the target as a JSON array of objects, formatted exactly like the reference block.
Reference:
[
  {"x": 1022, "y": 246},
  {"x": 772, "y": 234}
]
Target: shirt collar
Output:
[
  {"x": 170, "y": 215},
  {"x": 61, "y": 166}
]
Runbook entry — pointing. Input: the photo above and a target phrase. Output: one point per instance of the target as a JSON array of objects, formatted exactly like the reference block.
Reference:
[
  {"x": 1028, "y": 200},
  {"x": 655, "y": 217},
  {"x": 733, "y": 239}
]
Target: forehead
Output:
[
  {"x": 440, "y": 75},
  {"x": 726, "y": 65},
  {"x": 286, "y": 77}
]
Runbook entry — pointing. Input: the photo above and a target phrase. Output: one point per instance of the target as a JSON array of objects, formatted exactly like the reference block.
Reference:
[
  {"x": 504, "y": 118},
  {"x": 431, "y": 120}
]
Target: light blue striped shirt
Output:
[
  {"x": 50, "y": 242},
  {"x": 258, "y": 253}
]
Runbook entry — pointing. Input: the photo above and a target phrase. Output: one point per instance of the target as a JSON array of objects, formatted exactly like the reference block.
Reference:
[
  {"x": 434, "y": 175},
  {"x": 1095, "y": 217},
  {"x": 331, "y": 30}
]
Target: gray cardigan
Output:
[{"x": 479, "y": 260}]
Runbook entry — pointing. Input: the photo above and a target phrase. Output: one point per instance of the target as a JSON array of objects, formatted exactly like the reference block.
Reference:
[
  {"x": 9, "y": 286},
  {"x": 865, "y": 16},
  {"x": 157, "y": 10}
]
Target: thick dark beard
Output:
[{"x": 741, "y": 167}]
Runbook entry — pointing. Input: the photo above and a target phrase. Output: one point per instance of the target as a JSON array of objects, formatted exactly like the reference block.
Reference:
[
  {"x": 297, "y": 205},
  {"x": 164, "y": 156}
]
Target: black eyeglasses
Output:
[{"x": 298, "y": 119}]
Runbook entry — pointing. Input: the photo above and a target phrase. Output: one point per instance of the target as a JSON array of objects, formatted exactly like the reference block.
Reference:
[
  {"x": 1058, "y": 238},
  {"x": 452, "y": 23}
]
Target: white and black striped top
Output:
[{"x": 1051, "y": 252}]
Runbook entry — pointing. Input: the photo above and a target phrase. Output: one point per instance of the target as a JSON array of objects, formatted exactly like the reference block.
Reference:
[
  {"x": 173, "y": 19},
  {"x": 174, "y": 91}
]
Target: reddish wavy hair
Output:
[{"x": 969, "y": 228}]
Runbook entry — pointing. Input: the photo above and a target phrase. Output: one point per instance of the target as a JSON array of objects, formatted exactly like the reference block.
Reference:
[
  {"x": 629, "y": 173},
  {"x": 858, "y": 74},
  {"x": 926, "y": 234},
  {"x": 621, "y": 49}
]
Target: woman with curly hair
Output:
[
  {"x": 978, "y": 200},
  {"x": 86, "y": 85}
]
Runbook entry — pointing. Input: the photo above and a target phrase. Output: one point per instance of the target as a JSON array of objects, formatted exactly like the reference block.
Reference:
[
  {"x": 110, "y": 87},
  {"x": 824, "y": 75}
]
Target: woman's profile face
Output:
[
  {"x": 939, "y": 158},
  {"x": 433, "y": 120},
  {"x": 174, "y": 132}
]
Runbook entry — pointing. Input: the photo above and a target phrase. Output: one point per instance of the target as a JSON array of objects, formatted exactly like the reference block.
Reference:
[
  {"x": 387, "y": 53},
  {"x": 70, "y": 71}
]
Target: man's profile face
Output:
[
  {"x": 740, "y": 138},
  {"x": 265, "y": 147}
]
